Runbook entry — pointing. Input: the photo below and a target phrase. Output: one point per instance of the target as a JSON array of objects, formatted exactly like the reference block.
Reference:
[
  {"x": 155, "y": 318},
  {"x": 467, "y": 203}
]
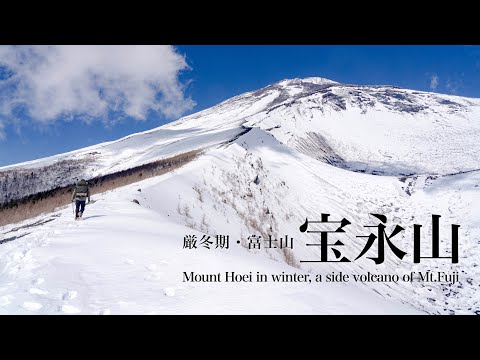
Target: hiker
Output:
[{"x": 80, "y": 195}]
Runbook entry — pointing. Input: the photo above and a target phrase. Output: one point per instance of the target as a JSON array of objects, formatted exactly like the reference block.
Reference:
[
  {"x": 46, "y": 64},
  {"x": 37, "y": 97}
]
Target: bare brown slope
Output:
[{"x": 47, "y": 201}]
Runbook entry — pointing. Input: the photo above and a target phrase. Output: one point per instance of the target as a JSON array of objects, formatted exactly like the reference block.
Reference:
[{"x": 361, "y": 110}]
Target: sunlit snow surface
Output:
[{"x": 314, "y": 147}]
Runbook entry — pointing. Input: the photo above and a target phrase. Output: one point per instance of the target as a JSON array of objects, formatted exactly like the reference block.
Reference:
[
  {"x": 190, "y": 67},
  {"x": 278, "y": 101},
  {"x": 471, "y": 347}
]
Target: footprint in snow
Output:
[
  {"x": 38, "y": 281},
  {"x": 152, "y": 267},
  {"x": 35, "y": 291},
  {"x": 129, "y": 262},
  {"x": 70, "y": 295},
  {"x": 105, "y": 312},
  {"x": 153, "y": 276},
  {"x": 169, "y": 291}
]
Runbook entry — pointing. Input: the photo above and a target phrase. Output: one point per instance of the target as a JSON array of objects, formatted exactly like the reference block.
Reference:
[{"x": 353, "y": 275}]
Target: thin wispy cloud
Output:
[
  {"x": 434, "y": 82},
  {"x": 454, "y": 85},
  {"x": 49, "y": 83}
]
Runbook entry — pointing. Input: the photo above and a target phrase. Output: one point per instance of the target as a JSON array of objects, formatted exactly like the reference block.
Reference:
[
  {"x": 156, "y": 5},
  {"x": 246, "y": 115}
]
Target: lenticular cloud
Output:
[{"x": 52, "y": 82}]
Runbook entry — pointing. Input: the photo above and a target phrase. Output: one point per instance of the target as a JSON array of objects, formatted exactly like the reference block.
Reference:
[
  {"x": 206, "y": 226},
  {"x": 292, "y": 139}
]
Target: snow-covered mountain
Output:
[
  {"x": 263, "y": 162},
  {"x": 372, "y": 129}
]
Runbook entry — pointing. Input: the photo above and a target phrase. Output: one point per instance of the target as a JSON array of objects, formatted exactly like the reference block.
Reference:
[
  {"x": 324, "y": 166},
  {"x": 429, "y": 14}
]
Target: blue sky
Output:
[{"x": 50, "y": 107}]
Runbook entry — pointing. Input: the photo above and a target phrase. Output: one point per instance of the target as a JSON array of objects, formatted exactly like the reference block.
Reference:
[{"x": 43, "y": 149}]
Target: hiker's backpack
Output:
[{"x": 81, "y": 188}]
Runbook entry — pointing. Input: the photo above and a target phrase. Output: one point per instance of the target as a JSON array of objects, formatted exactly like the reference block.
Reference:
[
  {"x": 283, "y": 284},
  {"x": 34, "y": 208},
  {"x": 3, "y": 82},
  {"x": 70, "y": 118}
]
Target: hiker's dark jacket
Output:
[{"x": 81, "y": 191}]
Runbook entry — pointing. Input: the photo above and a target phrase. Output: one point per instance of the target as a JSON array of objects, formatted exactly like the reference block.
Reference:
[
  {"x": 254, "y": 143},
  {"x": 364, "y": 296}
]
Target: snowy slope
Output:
[
  {"x": 128, "y": 259},
  {"x": 273, "y": 157}
]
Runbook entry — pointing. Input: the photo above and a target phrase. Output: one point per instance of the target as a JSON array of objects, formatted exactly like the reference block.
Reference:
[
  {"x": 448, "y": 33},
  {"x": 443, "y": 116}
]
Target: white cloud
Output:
[
  {"x": 434, "y": 82},
  {"x": 53, "y": 82}
]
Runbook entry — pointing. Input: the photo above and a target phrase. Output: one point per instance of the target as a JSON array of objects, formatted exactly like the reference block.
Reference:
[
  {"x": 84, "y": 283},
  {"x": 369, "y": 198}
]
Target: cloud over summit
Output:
[{"x": 91, "y": 81}]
